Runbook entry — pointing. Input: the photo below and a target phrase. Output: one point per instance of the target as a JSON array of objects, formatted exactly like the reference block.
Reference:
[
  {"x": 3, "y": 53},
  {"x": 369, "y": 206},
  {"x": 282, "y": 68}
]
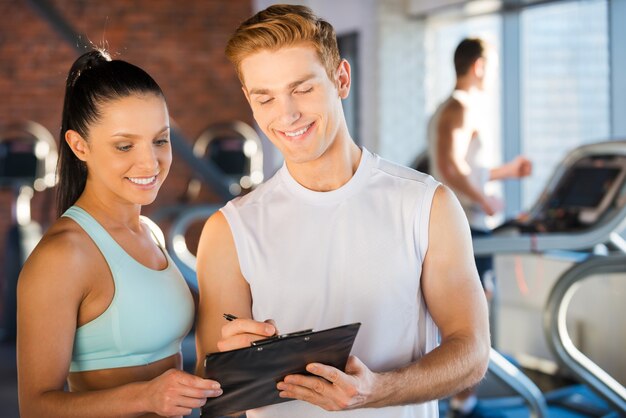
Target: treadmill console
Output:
[
  {"x": 18, "y": 162},
  {"x": 583, "y": 194}
]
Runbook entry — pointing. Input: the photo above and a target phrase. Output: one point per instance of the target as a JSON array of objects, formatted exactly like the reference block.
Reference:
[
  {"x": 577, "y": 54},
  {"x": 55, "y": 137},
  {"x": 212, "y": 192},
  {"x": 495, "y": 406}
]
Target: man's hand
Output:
[
  {"x": 242, "y": 332},
  {"x": 492, "y": 205},
  {"x": 331, "y": 388},
  {"x": 520, "y": 166}
]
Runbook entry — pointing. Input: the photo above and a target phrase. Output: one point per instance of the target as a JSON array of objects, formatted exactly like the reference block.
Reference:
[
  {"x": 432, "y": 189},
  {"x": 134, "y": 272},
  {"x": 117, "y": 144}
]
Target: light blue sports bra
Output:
[{"x": 150, "y": 314}]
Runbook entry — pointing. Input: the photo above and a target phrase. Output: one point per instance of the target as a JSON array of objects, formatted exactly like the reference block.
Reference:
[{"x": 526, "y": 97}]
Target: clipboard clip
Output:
[{"x": 280, "y": 337}]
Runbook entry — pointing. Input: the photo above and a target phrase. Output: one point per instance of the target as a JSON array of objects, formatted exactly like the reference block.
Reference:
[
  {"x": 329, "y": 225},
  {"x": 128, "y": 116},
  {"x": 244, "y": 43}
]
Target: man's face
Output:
[
  {"x": 293, "y": 100},
  {"x": 489, "y": 70}
]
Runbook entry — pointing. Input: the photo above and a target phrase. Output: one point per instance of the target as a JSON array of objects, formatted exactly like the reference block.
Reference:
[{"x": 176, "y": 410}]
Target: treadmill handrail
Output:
[
  {"x": 176, "y": 242},
  {"x": 208, "y": 170},
  {"x": 511, "y": 376},
  {"x": 252, "y": 150},
  {"x": 540, "y": 242},
  {"x": 557, "y": 336}
]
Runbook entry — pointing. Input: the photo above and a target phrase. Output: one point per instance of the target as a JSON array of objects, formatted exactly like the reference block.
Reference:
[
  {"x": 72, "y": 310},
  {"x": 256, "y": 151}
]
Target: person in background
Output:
[
  {"x": 338, "y": 235},
  {"x": 101, "y": 305},
  {"x": 455, "y": 153}
]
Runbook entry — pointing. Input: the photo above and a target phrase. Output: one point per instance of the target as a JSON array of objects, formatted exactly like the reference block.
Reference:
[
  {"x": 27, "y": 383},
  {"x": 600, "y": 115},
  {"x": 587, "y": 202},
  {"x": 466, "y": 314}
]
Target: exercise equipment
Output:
[
  {"x": 583, "y": 207},
  {"x": 176, "y": 241},
  {"x": 28, "y": 158},
  {"x": 421, "y": 162},
  {"x": 601, "y": 383},
  {"x": 236, "y": 149}
]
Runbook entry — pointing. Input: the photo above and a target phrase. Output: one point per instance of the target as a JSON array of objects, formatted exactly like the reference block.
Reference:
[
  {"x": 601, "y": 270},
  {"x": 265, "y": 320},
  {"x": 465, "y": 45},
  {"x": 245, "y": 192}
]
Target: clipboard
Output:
[{"x": 248, "y": 376}]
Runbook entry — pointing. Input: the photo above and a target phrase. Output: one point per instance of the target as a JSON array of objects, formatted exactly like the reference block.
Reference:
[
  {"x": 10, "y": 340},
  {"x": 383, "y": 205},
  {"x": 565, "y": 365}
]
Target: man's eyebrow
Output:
[
  {"x": 259, "y": 91},
  {"x": 289, "y": 87},
  {"x": 302, "y": 80}
]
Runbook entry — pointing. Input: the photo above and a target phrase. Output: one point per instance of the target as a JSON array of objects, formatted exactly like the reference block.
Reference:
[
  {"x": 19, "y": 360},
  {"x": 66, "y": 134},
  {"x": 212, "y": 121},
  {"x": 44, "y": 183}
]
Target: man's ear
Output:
[
  {"x": 245, "y": 93},
  {"x": 479, "y": 67},
  {"x": 343, "y": 79},
  {"x": 77, "y": 144}
]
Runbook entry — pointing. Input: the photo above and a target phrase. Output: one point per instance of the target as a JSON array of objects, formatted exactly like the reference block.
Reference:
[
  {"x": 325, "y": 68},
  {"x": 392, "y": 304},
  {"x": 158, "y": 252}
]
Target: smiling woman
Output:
[
  {"x": 132, "y": 155},
  {"x": 100, "y": 303},
  {"x": 102, "y": 101}
]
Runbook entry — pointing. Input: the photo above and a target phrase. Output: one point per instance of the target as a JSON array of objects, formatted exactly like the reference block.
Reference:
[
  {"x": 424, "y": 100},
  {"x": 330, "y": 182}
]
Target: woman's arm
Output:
[{"x": 53, "y": 284}]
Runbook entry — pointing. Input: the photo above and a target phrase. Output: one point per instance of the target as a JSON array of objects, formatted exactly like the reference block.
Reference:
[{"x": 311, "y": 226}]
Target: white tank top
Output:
[
  {"x": 472, "y": 153},
  {"x": 322, "y": 259}
]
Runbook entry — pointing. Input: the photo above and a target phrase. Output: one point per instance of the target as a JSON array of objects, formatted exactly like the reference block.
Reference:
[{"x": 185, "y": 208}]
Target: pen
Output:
[{"x": 229, "y": 317}]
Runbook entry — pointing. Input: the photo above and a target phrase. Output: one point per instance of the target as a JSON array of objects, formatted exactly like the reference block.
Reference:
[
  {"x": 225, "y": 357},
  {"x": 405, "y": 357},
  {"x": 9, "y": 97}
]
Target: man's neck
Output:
[
  {"x": 330, "y": 171},
  {"x": 467, "y": 85}
]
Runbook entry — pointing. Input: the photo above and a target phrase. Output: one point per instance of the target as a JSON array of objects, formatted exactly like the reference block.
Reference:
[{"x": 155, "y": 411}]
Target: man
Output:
[
  {"x": 338, "y": 235},
  {"x": 455, "y": 158},
  {"x": 455, "y": 147}
]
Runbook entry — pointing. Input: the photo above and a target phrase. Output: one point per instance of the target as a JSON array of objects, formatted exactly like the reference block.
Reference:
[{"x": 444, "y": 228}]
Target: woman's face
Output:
[{"x": 128, "y": 153}]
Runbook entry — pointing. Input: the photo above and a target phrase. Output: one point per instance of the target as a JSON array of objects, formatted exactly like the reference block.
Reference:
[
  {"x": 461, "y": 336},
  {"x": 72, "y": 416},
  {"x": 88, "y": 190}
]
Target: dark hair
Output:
[
  {"x": 282, "y": 25},
  {"x": 93, "y": 80},
  {"x": 466, "y": 54}
]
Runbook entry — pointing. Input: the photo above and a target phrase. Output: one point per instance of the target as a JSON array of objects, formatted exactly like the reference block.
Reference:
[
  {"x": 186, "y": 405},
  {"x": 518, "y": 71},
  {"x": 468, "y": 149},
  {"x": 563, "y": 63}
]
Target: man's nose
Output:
[{"x": 289, "y": 113}]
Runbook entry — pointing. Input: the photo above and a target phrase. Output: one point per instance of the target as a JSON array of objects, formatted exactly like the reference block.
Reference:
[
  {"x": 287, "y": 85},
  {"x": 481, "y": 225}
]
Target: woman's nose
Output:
[{"x": 148, "y": 158}]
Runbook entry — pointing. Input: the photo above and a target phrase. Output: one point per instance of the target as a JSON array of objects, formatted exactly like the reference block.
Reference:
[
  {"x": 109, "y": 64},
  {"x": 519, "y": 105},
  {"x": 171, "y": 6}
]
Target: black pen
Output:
[{"x": 229, "y": 317}]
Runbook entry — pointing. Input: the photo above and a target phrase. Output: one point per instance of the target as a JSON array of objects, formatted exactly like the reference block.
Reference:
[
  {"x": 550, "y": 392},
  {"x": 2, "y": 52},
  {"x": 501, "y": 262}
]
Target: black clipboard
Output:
[{"x": 248, "y": 376}]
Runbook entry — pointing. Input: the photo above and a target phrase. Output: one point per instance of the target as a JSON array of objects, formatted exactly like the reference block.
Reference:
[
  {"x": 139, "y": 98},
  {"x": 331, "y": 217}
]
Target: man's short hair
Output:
[
  {"x": 466, "y": 54},
  {"x": 284, "y": 25}
]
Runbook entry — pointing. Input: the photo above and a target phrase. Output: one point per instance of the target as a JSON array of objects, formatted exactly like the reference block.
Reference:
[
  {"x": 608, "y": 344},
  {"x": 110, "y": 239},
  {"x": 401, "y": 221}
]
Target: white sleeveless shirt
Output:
[{"x": 323, "y": 259}]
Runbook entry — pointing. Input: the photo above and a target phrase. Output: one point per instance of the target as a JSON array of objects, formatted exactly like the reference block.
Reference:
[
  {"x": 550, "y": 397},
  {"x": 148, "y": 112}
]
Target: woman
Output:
[{"x": 100, "y": 304}]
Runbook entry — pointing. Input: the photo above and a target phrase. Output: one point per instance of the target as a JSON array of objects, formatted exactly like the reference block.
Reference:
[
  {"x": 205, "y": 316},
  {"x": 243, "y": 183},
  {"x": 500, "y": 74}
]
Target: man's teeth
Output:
[
  {"x": 297, "y": 133},
  {"x": 142, "y": 180}
]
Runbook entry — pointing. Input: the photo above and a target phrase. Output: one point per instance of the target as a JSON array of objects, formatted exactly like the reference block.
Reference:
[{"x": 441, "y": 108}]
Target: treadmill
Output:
[{"x": 582, "y": 206}]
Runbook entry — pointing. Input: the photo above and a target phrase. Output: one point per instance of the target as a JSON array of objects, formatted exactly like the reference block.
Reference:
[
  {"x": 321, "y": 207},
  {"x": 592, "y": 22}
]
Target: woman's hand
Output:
[{"x": 176, "y": 393}]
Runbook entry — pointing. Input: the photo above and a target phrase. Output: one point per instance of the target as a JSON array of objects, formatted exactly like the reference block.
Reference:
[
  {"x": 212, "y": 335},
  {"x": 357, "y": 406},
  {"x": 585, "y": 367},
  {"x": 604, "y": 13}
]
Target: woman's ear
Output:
[
  {"x": 343, "y": 79},
  {"x": 77, "y": 144}
]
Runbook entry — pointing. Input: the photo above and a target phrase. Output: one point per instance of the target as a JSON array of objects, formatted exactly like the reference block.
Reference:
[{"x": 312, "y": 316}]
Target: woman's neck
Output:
[{"x": 109, "y": 212}]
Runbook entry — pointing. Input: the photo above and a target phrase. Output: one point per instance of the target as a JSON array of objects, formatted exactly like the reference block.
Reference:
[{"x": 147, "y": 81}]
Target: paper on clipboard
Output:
[{"x": 248, "y": 376}]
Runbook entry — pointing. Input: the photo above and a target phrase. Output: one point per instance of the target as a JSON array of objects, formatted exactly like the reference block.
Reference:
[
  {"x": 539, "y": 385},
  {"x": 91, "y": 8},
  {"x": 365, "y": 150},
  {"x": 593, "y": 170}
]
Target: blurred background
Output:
[{"x": 559, "y": 84}]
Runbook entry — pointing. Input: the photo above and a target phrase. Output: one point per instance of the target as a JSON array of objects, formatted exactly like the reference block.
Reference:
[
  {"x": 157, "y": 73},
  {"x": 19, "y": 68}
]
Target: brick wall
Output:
[{"x": 179, "y": 43}]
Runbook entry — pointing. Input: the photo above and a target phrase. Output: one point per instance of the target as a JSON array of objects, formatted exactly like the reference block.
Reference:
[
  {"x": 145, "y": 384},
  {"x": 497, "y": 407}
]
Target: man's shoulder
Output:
[
  {"x": 402, "y": 173},
  {"x": 453, "y": 108}
]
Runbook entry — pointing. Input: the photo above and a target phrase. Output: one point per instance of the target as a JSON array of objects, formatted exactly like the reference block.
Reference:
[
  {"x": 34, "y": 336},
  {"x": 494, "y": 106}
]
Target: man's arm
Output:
[
  {"x": 453, "y": 169},
  {"x": 223, "y": 289},
  {"x": 519, "y": 167},
  {"x": 457, "y": 304}
]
